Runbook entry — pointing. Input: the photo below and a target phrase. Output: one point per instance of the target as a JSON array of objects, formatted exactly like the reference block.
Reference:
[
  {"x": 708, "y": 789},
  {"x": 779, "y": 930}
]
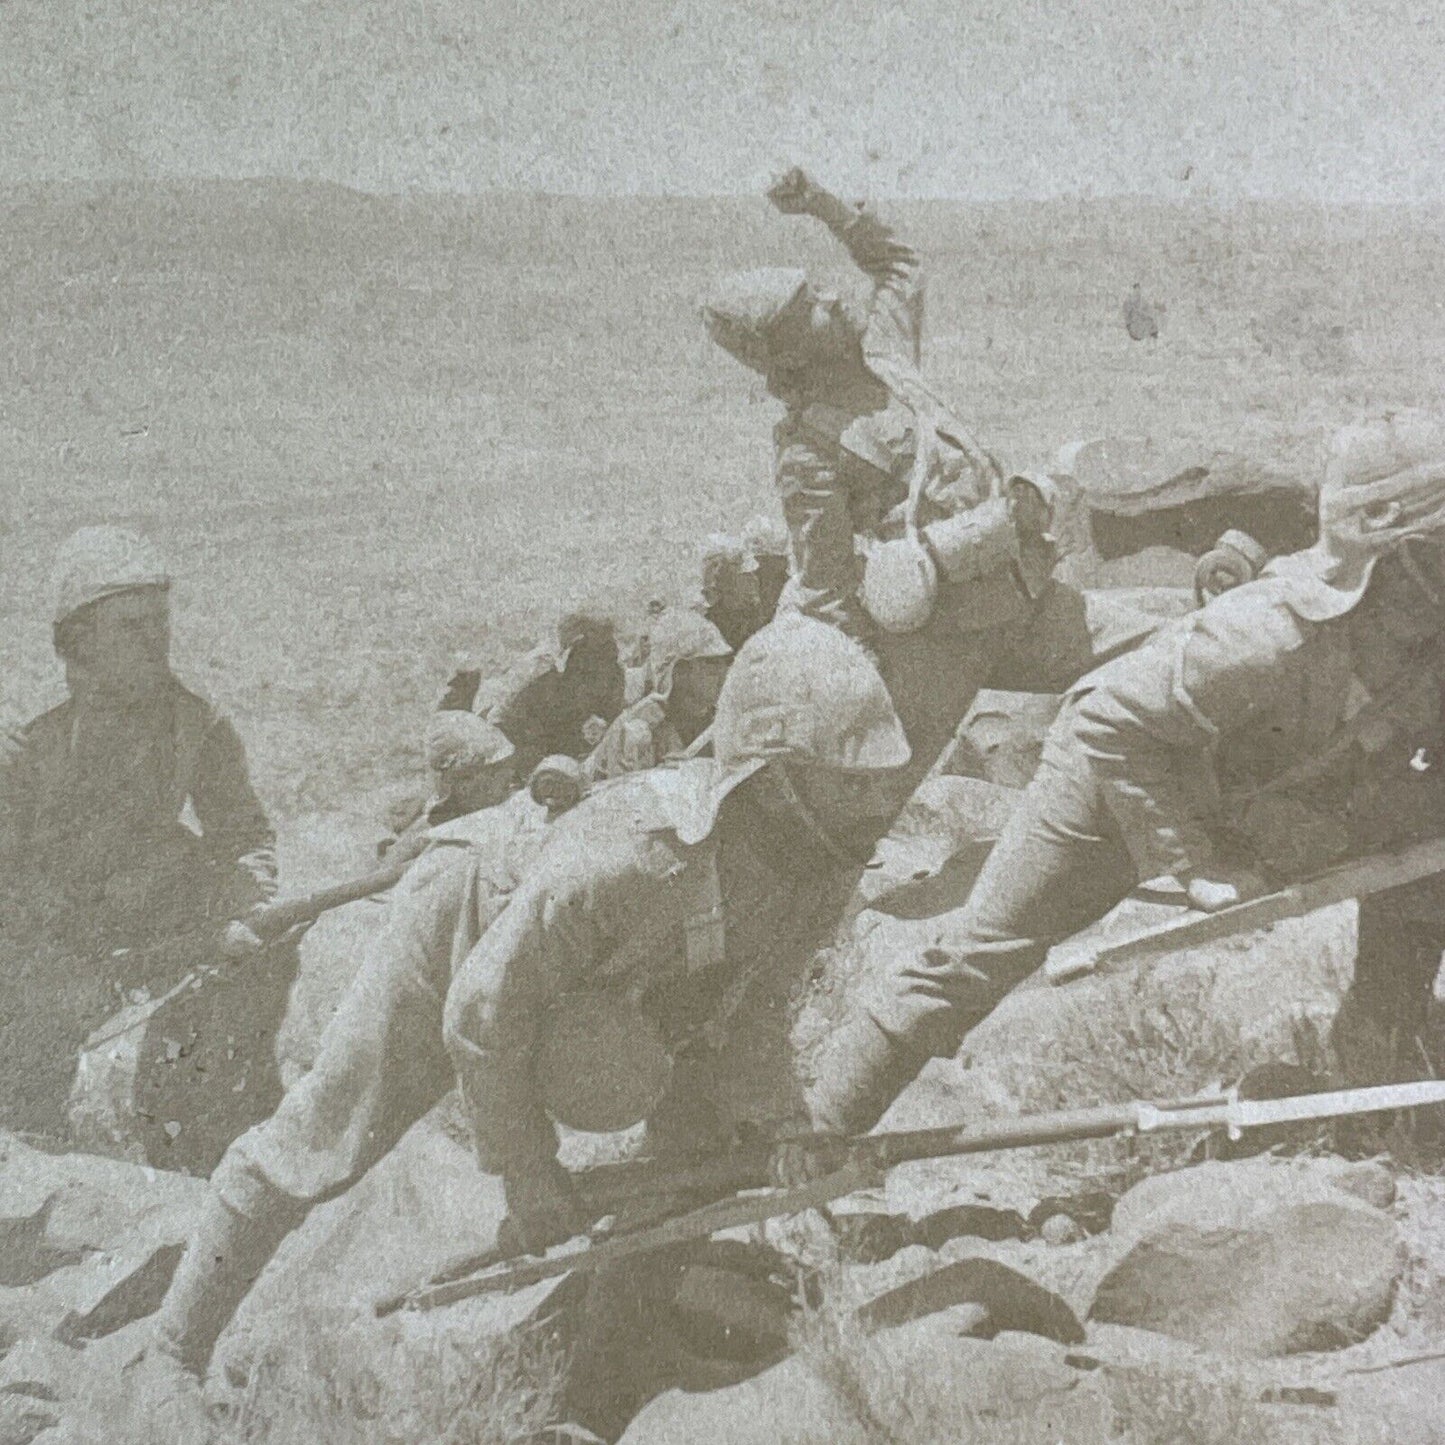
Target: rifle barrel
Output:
[
  {"x": 285, "y": 913},
  {"x": 1102, "y": 1122},
  {"x": 867, "y": 1157}
]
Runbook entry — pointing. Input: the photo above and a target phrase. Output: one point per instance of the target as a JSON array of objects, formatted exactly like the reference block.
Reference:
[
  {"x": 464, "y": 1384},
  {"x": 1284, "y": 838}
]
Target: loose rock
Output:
[
  {"x": 1006, "y": 1299},
  {"x": 1254, "y": 1258}
]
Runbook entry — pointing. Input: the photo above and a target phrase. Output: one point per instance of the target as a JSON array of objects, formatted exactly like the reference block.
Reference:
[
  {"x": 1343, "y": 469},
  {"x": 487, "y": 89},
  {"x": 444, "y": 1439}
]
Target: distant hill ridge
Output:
[{"x": 295, "y": 214}]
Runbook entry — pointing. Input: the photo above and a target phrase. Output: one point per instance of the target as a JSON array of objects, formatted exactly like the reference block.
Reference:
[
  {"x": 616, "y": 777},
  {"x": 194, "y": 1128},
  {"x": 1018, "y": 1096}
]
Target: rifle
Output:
[
  {"x": 1358, "y": 878},
  {"x": 754, "y": 1197},
  {"x": 274, "y": 920},
  {"x": 272, "y": 923}
]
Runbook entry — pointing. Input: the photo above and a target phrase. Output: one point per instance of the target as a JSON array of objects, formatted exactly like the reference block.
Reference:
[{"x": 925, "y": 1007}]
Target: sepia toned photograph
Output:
[{"x": 722, "y": 724}]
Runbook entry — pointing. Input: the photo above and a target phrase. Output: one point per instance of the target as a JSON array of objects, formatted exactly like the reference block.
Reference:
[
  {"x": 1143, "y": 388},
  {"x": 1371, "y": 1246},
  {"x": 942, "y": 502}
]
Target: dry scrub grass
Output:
[
  {"x": 315, "y": 1389},
  {"x": 876, "y": 1403},
  {"x": 412, "y": 1392},
  {"x": 360, "y": 1387},
  {"x": 1150, "y": 1044}
]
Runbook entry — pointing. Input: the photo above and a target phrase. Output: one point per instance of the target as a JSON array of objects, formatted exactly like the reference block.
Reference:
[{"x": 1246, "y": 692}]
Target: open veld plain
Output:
[{"x": 377, "y": 434}]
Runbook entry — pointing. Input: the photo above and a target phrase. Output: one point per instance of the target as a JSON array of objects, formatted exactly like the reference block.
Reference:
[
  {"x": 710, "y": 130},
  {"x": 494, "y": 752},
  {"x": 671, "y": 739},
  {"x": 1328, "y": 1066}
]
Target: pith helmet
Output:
[
  {"x": 459, "y": 742},
  {"x": 557, "y": 782},
  {"x": 680, "y": 635},
  {"x": 724, "y": 555},
  {"x": 803, "y": 690},
  {"x": 1384, "y": 484},
  {"x": 741, "y": 311},
  {"x": 98, "y": 562}
]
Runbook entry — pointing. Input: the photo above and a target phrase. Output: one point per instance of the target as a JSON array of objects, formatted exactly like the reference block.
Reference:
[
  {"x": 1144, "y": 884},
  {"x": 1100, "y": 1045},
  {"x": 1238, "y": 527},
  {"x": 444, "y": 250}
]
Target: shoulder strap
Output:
[
  {"x": 704, "y": 924},
  {"x": 877, "y": 439}
]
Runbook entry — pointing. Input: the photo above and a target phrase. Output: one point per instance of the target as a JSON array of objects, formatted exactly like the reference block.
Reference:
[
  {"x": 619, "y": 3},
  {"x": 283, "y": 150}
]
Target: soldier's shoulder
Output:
[
  {"x": 618, "y": 808},
  {"x": 1256, "y": 618},
  {"x": 631, "y": 813},
  {"x": 610, "y": 837},
  {"x": 53, "y": 721},
  {"x": 193, "y": 705},
  {"x": 45, "y": 734}
]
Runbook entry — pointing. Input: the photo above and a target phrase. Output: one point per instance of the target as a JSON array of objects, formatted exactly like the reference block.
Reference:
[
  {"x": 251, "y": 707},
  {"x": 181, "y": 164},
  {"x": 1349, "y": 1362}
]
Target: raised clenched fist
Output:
[{"x": 793, "y": 192}]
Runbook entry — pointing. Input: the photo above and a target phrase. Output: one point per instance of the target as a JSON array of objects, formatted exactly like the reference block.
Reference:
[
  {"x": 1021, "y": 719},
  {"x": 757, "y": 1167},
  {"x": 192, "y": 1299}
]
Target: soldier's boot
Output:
[
  {"x": 226, "y": 1253},
  {"x": 859, "y": 1072}
]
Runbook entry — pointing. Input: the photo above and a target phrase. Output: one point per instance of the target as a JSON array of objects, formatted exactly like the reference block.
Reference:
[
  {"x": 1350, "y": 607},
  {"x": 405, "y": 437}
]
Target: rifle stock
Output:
[{"x": 272, "y": 920}]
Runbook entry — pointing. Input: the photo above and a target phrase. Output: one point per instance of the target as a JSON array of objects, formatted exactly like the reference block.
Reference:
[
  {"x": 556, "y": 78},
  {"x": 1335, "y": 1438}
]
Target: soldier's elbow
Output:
[{"x": 462, "y": 1021}]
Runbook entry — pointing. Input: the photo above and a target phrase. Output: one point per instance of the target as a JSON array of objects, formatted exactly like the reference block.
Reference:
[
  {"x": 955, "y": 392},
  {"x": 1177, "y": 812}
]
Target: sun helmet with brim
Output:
[
  {"x": 798, "y": 690},
  {"x": 459, "y": 745},
  {"x": 802, "y": 691},
  {"x": 680, "y": 635},
  {"x": 1393, "y": 467},
  {"x": 557, "y": 783},
  {"x": 741, "y": 312},
  {"x": 99, "y": 562}
]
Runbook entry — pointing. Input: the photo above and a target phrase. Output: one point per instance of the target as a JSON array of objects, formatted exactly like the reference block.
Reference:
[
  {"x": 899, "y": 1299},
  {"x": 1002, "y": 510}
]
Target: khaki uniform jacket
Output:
[
  {"x": 690, "y": 932},
  {"x": 1185, "y": 732},
  {"x": 843, "y": 457},
  {"x": 86, "y": 794}
]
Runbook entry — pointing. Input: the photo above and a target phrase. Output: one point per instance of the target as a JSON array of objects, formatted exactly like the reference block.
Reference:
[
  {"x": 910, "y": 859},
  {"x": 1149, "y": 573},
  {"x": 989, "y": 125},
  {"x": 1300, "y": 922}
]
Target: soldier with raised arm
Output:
[{"x": 905, "y": 532}]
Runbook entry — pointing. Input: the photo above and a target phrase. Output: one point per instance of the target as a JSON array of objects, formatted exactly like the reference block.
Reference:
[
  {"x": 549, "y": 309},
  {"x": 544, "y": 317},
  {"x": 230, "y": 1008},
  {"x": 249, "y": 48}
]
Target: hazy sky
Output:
[{"x": 1340, "y": 99}]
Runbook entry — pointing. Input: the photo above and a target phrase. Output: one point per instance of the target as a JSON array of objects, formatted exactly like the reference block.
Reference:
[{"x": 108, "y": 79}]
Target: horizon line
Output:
[{"x": 1211, "y": 199}]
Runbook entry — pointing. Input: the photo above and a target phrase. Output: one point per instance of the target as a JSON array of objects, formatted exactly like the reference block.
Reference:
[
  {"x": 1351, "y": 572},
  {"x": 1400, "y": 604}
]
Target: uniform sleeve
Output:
[
  {"x": 895, "y": 318},
  {"x": 558, "y": 925},
  {"x": 893, "y": 338},
  {"x": 628, "y": 746},
  {"x": 234, "y": 825},
  {"x": 1149, "y": 724},
  {"x": 818, "y": 511}
]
